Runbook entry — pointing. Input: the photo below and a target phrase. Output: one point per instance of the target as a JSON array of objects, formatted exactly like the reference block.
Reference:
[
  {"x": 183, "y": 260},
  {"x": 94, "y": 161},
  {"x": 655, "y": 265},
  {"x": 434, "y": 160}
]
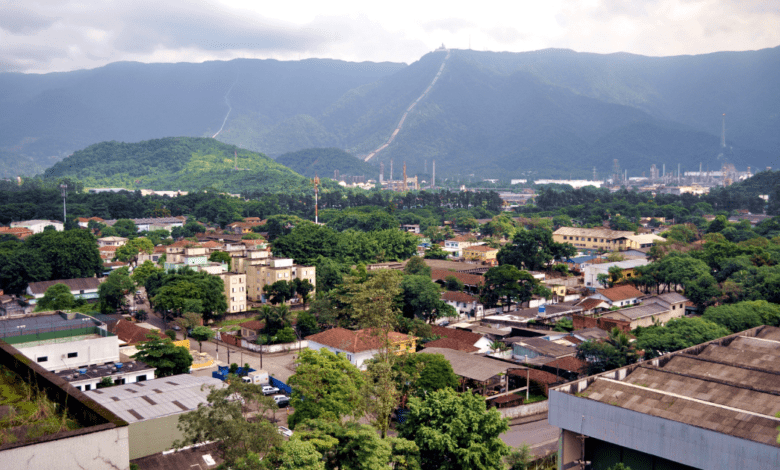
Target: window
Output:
[
  {"x": 349, "y": 357},
  {"x": 72, "y": 355},
  {"x": 43, "y": 359},
  {"x": 87, "y": 387},
  {"x": 141, "y": 378}
]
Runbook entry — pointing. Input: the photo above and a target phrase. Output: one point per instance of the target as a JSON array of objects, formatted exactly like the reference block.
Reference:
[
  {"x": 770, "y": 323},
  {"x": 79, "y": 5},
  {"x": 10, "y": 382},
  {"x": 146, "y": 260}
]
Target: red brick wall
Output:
[
  {"x": 581, "y": 322},
  {"x": 230, "y": 339}
]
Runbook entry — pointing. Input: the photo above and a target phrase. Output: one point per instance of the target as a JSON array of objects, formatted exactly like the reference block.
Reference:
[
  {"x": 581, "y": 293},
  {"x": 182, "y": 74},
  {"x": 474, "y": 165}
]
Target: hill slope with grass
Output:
[{"x": 177, "y": 163}]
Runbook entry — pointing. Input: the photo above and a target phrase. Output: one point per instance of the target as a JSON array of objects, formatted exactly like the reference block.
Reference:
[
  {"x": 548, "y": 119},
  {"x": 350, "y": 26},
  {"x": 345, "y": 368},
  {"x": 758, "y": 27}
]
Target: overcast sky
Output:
[{"x": 60, "y": 35}]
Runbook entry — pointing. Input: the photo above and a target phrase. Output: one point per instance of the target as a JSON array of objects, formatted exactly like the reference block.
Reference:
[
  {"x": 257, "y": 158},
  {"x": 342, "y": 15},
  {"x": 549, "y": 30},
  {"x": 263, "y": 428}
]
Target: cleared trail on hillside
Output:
[
  {"x": 230, "y": 108},
  {"x": 408, "y": 110}
]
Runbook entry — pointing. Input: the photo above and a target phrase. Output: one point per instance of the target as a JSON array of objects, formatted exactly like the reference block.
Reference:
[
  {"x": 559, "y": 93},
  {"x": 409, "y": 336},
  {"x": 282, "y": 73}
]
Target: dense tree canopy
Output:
[
  {"x": 455, "y": 432},
  {"x": 166, "y": 357}
]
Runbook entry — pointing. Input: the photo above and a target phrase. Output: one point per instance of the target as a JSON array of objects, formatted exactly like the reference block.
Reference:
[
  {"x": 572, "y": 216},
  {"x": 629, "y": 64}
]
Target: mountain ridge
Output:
[{"x": 555, "y": 112}]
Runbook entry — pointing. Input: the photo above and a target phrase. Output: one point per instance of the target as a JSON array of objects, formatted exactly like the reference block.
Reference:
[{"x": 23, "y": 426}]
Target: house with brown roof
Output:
[
  {"x": 459, "y": 340},
  {"x": 251, "y": 329},
  {"x": 482, "y": 253},
  {"x": 361, "y": 345},
  {"x": 657, "y": 309},
  {"x": 619, "y": 296},
  {"x": 473, "y": 282},
  {"x": 19, "y": 232},
  {"x": 463, "y": 303},
  {"x": 84, "y": 288},
  {"x": 130, "y": 334}
]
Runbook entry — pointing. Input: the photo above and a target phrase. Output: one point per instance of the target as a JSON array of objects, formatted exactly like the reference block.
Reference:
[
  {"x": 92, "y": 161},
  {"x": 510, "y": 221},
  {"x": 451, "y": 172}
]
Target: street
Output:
[{"x": 540, "y": 435}]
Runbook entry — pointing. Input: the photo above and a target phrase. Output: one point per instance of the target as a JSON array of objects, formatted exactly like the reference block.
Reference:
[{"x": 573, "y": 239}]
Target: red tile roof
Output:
[
  {"x": 538, "y": 376},
  {"x": 212, "y": 244},
  {"x": 466, "y": 338},
  {"x": 483, "y": 248},
  {"x": 131, "y": 333},
  {"x": 589, "y": 304},
  {"x": 570, "y": 363},
  {"x": 353, "y": 341},
  {"x": 452, "y": 296},
  {"x": 451, "y": 343},
  {"x": 462, "y": 238},
  {"x": 619, "y": 293},
  {"x": 465, "y": 278},
  {"x": 255, "y": 325}
]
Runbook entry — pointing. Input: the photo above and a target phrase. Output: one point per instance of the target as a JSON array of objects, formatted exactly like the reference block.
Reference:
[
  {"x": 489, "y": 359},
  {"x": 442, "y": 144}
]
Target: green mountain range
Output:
[
  {"x": 180, "y": 163},
  {"x": 488, "y": 114},
  {"x": 324, "y": 162}
]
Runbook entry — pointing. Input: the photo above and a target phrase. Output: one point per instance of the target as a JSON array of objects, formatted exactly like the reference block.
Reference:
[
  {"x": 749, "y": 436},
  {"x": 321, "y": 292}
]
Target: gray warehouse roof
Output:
[
  {"x": 470, "y": 366},
  {"x": 156, "y": 398}
]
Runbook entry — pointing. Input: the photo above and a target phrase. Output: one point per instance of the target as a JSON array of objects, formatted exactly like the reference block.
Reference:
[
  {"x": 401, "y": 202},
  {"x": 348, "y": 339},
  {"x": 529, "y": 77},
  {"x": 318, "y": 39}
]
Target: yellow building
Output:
[
  {"x": 275, "y": 269},
  {"x": 235, "y": 291},
  {"x": 594, "y": 238},
  {"x": 480, "y": 253}
]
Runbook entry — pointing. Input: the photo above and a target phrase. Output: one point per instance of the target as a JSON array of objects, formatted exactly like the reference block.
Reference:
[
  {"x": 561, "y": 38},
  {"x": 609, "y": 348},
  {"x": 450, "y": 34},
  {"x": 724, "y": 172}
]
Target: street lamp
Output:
[{"x": 64, "y": 192}]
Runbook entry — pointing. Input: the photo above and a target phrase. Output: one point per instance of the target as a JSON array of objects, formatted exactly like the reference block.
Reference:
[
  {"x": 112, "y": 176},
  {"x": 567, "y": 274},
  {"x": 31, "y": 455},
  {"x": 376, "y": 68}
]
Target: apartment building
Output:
[{"x": 235, "y": 291}]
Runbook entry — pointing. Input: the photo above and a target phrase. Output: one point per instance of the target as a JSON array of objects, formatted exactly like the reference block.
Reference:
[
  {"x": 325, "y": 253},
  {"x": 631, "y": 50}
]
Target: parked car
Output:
[
  {"x": 285, "y": 432},
  {"x": 282, "y": 400},
  {"x": 269, "y": 390}
]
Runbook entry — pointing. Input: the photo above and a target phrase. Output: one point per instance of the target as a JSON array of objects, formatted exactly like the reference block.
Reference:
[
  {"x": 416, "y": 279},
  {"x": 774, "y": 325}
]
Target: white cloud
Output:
[{"x": 56, "y": 35}]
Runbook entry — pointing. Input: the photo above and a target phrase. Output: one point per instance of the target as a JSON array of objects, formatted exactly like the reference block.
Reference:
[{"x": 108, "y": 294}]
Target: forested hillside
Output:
[
  {"x": 323, "y": 162},
  {"x": 545, "y": 113},
  {"x": 181, "y": 163}
]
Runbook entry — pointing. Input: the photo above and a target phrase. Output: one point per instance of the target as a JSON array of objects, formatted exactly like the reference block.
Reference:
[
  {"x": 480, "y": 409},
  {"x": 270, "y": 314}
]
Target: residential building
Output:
[
  {"x": 538, "y": 350},
  {"x": 452, "y": 338},
  {"x": 473, "y": 282},
  {"x": 593, "y": 238},
  {"x": 411, "y": 228},
  {"x": 463, "y": 303},
  {"x": 84, "y": 221},
  {"x": 619, "y": 296},
  {"x": 482, "y": 253},
  {"x": 361, "y": 345},
  {"x": 477, "y": 373},
  {"x": 591, "y": 271},
  {"x": 59, "y": 341},
  {"x": 251, "y": 329},
  {"x": 111, "y": 241},
  {"x": 712, "y": 406},
  {"x": 37, "y": 226},
  {"x": 95, "y": 438},
  {"x": 657, "y": 309},
  {"x": 88, "y": 378},
  {"x": 455, "y": 246},
  {"x": 267, "y": 270},
  {"x": 153, "y": 409},
  {"x": 85, "y": 288},
  {"x": 235, "y": 291},
  {"x": 147, "y": 224},
  {"x": 11, "y": 306},
  {"x": 19, "y": 232}
]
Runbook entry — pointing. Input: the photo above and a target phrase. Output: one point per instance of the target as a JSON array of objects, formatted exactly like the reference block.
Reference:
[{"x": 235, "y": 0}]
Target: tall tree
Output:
[
  {"x": 534, "y": 249},
  {"x": 225, "y": 420},
  {"x": 325, "y": 386},
  {"x": 455, "y": 432},
  {"x": 114, "y": 290},
  {"x": 163, "y": 355},
  {"x": 56, "y": 297}
]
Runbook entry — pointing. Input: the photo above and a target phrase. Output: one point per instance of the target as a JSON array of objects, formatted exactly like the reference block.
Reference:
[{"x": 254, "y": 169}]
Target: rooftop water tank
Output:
[{"x": 118, "y": 365}]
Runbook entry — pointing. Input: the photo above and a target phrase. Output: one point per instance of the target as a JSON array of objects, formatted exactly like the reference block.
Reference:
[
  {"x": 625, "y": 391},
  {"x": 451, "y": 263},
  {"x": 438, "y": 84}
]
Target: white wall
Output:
[
  {"x": 107, "y": 449},
  {"x": 131, "y": 377},
  {"x": 89, "y": 352},
  {"x": 355, "y": 358}
]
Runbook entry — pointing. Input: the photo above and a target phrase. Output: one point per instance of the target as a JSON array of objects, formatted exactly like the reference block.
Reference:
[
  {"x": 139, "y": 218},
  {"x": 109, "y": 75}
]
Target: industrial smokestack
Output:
[{"x": 391, "y": 170}]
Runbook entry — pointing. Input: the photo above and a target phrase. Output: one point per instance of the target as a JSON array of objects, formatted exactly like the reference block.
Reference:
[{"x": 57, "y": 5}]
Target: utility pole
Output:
[{"x": 64, "y": 191}]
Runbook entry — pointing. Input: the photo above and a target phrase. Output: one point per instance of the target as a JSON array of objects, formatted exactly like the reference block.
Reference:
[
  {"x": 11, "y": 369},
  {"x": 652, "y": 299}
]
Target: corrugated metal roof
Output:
[{"x": 155, "y": 398}]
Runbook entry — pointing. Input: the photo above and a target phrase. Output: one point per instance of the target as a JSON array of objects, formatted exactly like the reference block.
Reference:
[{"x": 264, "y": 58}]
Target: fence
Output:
[
  {"x": 266, "y": 348},
  {"x": 280, "y": 385},
  {"x": 525, "y": 410}
]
